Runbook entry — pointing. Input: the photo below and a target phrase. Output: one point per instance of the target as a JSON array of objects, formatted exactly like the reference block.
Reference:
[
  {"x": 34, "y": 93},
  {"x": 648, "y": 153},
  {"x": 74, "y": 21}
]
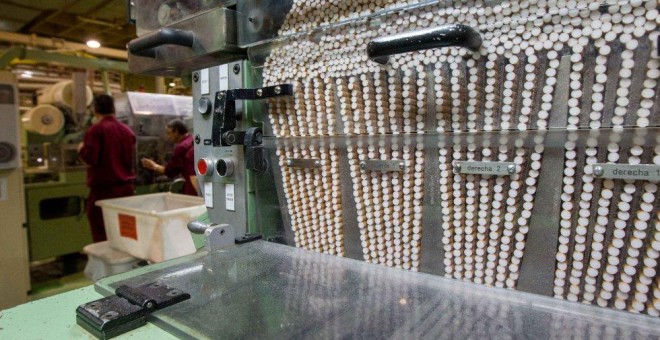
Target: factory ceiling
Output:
[{"x": 70, "y": 20}]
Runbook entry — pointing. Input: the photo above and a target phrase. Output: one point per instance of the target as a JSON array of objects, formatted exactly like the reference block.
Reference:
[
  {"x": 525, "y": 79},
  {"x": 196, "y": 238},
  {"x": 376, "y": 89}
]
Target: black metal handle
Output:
[
  {"x": 145, "y": 46},
  {"x": 380, "y": 49}
]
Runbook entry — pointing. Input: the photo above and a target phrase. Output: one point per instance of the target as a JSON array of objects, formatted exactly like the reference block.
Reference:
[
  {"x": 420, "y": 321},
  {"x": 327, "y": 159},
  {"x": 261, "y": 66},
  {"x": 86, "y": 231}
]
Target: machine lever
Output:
[
  {"x": 380, "y": 49},
  {"x": 145, "y": 46},
  {"x": 197, "y": 227},
  {"x": 224, "y": 115}
]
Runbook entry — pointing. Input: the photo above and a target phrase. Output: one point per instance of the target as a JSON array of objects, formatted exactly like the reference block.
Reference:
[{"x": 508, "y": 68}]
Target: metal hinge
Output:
[{"x": 127, "y": 310}]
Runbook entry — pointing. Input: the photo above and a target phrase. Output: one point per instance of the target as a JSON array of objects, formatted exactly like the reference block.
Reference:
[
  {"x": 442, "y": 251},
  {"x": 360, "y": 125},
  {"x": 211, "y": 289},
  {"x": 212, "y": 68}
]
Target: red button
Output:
[{"x": 202, "y": 166}]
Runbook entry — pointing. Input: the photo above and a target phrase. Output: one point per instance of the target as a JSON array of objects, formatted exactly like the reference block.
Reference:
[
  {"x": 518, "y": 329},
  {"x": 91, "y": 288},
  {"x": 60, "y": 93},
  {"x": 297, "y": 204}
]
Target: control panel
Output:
[{"x": 220, "y": 168}]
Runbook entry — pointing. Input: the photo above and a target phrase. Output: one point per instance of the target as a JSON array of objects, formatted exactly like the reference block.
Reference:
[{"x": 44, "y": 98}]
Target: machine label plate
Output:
[
  {"x": 229, "y": 197},
  {"x": 485, "y": 168},
  {"x": 208, "y": 194},
  {"x": 383, "y": 165},
  {"x": 204, "y": 81},
  {"x": 646, "y": 172},
  {"x": 303, "y": 163},
  {"x": 223, "y": 77}
]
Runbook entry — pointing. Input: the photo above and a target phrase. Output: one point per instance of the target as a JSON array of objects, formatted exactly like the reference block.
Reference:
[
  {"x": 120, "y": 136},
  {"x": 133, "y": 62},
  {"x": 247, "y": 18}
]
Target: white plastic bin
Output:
[
  {"x": 104, "y": 261},
  {"x": 152, "y": 227}
]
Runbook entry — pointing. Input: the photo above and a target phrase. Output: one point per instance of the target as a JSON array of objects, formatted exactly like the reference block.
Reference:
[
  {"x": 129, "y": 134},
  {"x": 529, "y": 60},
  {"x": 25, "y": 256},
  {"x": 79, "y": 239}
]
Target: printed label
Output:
[
  {"x": 229, "y": 197},
  {"x": 127, "y": 226},
  {"x": 208, "y": 194},
  {"x": 223, "y": 77},
  {"x": 486, "y": 168},
  {"x": 383, "y": 165},
  {"x": 204, "y": 81},
  {"x": 646, "y": 172}
]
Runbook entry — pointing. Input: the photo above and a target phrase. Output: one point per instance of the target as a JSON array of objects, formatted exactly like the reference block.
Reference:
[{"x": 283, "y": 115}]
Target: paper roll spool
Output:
[
  {"x": 62, "y": 93},
  {"x": 45, "y": 120}
]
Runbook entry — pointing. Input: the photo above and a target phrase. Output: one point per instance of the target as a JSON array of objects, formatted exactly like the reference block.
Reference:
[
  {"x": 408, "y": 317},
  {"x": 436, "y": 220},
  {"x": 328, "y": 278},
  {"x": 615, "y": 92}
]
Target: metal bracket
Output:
[
  {"x": 127, "y": 310},
  {"x": 219, "y": 235},
  {"x": 224, "y": 114}
]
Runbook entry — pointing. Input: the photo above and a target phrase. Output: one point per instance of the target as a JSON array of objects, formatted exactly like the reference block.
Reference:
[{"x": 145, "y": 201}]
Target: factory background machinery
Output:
[{"x": 503, "y": 147}]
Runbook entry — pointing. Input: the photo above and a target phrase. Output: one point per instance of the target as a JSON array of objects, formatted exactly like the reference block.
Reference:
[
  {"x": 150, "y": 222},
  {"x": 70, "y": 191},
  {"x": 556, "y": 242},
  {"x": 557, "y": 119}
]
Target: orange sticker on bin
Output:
[{"x": 128, "y": 226}]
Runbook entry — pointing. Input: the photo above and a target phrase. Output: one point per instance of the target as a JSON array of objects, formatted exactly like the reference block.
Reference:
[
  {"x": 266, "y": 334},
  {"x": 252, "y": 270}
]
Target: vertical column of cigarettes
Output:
[{"x": 616, "y": 214}]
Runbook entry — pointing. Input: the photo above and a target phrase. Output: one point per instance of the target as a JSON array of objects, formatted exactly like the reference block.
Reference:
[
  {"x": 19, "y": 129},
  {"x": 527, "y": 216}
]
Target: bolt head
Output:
[
  {"x": 289, "y": 162},
  {"x": 277, "y": 90},
  {"x": 457, "y": 167},
  {"x": 402, "y": 165},
  {"x": 317, "y": 164},
  {"x": 363, "y": 165},
  {"x": 221, "y": 94},
  {"x": 260, "y": 92},
  {"x": 511, "y": 169},
  {"x": 598, "y": 170}
]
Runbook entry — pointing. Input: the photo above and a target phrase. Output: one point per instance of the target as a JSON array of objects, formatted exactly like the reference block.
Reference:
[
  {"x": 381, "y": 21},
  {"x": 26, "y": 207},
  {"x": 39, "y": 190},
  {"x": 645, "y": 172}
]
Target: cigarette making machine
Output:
[{"x": 395, "y": 169}]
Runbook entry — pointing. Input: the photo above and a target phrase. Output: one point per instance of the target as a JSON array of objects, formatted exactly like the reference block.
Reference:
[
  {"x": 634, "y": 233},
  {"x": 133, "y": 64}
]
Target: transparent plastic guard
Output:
[
  {"x": 154, "y": 14},
  {"x": 265, "y": 290}
]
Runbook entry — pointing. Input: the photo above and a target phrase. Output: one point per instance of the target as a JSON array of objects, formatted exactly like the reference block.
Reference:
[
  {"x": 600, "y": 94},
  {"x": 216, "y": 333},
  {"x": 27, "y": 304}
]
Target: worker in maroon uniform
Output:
[
  {"x": 182, "y": 162},
  {"x": 108, "y": 149}
]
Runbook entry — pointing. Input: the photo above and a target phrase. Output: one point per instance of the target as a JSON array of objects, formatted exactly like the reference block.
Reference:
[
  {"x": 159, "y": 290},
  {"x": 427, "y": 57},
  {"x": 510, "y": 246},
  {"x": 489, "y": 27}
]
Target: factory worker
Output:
[
  {"x": 108, "y": 149},
  {"x": 182, "y": 161}
]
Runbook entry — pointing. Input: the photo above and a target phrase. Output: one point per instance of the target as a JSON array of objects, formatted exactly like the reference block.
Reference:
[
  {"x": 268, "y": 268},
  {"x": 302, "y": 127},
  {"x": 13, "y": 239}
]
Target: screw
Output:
[
  {"x": 221, "y": 94},
  {"x": 260, "y": 92},
  {"x": 598, "y": 170},
  {"x": 150, "y": 305},
  {"x": 511, "y": 169},
  {"x": 237, "y": 68},
  {"x": 317, "y": 164},
  {"x": 110, "y": 315},
  {"x": 277, "y": 89},
  {"x": 195, "y": 77},
  {"x": 174, "y": 292},
  {"x": 402, "y": 165},
  {"x": 231, "y": 139},
  {"x": 289, "y": 162},
  {"x": 363, "y": 165},
  {"x": 197, "y": 139},
  {"x": 457, "y": 167}
]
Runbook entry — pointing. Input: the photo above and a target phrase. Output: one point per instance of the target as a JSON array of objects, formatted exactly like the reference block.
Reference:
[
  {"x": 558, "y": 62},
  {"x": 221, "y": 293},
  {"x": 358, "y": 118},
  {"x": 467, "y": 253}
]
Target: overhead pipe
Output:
[{"x": 34, "y": 40}]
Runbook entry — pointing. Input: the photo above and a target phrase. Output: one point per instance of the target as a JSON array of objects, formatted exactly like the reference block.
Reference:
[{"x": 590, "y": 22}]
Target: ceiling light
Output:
[
  {"x": 26, "y": 74},
  {"x": 172, "y": 84},
  {"x": 93, "y": 43}
]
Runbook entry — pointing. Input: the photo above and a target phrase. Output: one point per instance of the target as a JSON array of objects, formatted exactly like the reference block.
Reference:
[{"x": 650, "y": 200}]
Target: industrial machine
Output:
[
  {"x": 148, "y": 114},
  {"x": 509, "y": 149},
  {"x": 15, "y": 281},
  {"x": 55, "y": 176}
]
